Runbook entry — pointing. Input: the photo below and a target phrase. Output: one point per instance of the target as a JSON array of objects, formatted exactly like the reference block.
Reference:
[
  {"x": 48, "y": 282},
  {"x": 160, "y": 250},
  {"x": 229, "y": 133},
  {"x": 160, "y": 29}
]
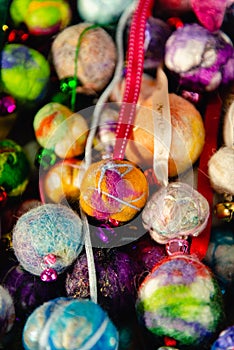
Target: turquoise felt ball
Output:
[
  {"x": 68, "y": 324},
  {"x": 25, "y": 72}
]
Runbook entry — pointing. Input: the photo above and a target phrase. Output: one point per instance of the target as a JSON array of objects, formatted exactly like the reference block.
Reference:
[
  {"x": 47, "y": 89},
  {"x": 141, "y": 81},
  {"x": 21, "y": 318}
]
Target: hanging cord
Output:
[{"x": 135, "y": 63}]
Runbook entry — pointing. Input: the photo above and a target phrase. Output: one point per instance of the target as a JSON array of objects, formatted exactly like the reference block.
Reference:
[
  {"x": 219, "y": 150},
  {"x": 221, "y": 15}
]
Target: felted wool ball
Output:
[
  {"x": 7, "y": 311},
  {"x": 62, "y": 181},
  {"x": 200, "y": 59},
  {"x": 101, "y": 11},
  {"x": 113, "y": 190},
  {"x": 47, "y": 236},
  {"x": 175, "y": 211},
  {"x": 115, "y": 273},
  {"x": 28, "y": 291},
  {"x": 188, "y": 135},
  {"x": 42, "y": 17},
  {"x": 173, "y": 7},
  {"x": 221, "y": 169},
  {"x": 225, "y": 340},
  {"x": 57, "y": 128},
  {"x": 14, "y": 168},
  {"x": 181, "y": 299},
  {"x": 66, "y": 323},
  {"x": 92, "y": 63},
  {"x": 220, "y": 254},
  {"x": 25, "y": 72}
]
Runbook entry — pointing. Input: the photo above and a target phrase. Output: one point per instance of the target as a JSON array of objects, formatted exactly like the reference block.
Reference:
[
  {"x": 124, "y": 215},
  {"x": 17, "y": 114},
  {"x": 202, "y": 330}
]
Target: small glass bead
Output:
[
  {"x": 49, "y": 275},
  {"x": 50, "y": 259},
  {"x": 176, "y": 246}
]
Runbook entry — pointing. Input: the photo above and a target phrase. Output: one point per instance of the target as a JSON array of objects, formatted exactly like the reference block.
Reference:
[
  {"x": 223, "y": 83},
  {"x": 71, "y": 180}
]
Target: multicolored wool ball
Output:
[
  {"x": 113, "y": 190},
  {"x": 181, "y": 299},
  {"x": 200, "y": 59},
  {"x": 225, "y": 340},
  {"x": 47, "y": 239},
  {"x": 25, "y": 72},
  {"x": 67, "y": 323},
  {"x": 7, "y": 311},
  {"x": 14, "y": 168},
  {"x": 42, "y": 17}
]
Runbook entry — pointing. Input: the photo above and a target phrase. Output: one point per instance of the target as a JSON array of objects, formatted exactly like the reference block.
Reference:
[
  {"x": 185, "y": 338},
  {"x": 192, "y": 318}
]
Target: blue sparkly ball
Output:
[
  {"x": 225, "y": 340},
  {"x": 67, "y": 323}
]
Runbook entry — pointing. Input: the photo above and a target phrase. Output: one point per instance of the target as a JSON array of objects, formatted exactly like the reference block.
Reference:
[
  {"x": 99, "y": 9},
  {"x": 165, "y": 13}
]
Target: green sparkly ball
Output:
[{"x": 14, "y": 168}]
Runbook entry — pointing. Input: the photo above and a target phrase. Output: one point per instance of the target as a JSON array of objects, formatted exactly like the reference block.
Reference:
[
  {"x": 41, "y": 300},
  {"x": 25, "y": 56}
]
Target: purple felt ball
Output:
[
  {"x": 115, "y": 273},
  {"x": 201, "y": 60}
]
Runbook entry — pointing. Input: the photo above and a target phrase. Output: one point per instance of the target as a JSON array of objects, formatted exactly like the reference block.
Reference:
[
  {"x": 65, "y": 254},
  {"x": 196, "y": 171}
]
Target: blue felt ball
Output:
[
  {"x": 67, "y": 323},
  {"x": 225, "y": 340}
]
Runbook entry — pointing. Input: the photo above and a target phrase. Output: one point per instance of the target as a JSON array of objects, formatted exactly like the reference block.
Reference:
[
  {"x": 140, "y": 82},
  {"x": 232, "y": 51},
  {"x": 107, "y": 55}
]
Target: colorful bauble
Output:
[
  {"x": 225, "y": 340},
  {"x": 25, "y": 72},
  {"x": 86, "y": 53},
  {"x": 181, "y": 299},
  {"x": 113, "y": 190},
  {"x": 200, "y": 59},
  {"x": 14, "y": 168},
  {"x": 100, "y": 11},
  {"x": 42, "y": 17},
  {"x": 175, "y": 211},
  {"x": 115, "y": 273},
  {"x": 59, "y": 129},
  {"x": 7, "y": 311},
  {"x": 188, "y": 135},
  {"x": 66, "y": 323},
  {"x": 47, "y": 239}
]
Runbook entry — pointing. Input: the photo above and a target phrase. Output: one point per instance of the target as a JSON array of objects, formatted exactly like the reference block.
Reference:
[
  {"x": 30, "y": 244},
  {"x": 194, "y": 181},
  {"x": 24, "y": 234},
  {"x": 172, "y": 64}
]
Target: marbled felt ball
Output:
[
  {"x": 188, "y": 135},
  {"x": 200, "y": 59},
  {"x": 7, "y": 311},
  {"x": 48, "y": 231},
  {"x": 57, "y": 128},
  {"x": 115, "y": 272},
  {"x": 113, "y": 190},
  {"x": 181, "y": 299},
  {"x": 66, "y": 323},
  {"x": 175, "y": 211},
  {"x": 92, "y": 62},
  {"x": 225, "y": 340},
  {"x": 42, "y": 17},
  {"x": 101, "y": 11},
  {"x": 25, "y": 72},
  {"x": 14, "y": 168}
]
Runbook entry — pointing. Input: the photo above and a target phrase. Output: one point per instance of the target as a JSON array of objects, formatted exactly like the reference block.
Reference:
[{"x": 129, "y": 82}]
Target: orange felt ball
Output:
[
  {"x": 113, "y": 190},
  {"x": 188, "y": 135}
]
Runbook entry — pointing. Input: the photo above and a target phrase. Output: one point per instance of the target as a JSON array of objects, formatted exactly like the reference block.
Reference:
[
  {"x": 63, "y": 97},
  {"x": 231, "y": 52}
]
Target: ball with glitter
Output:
[
  {"x": 113, "y": 190},
  {"x": 115, "y": 272},
  {"x": 14, "y": 168},
  {"x": 100, "y": 11},
  {"x": 67, "y": 323},
  {"x": 25, "y": 72},
  {"x": 181, "y": 299},
  {"x": 7, "y": 311},
  {"x": 47, "y": 239},
  {"x": 199, "y": 59},
  {"x": 225, "y": 340},
  {"x": 87, "y": 53},
  {"x": 57, "y": 128},
  {"x": 41, "y": 17},
  {"x": 175, "y": 211}
]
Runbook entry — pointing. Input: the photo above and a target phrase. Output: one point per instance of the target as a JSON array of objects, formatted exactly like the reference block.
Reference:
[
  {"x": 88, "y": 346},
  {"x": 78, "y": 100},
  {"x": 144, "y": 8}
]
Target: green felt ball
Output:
[
  {"x": 25, "y": 72},
  {"x": 14, "y": 168}
]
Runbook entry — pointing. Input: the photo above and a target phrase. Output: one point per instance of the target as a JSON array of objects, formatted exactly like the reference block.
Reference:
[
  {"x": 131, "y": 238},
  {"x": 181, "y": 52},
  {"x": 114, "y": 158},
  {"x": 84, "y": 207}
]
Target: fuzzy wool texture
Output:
[{"x": 7, "y": 311}]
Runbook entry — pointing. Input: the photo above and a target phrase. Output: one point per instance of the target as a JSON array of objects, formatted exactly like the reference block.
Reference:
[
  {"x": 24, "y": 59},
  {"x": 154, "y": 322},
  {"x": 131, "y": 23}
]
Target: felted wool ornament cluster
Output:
[
  {"x": 113, "y": 190},
  {"x": 181, "y": 299},
  {"x": 67, "y": 323},
  {"x": 93, "y": 64},
  {"x": 59, "y": 129},
  {"x": 7, "y": 311},
  {"x": 41, "y": 17},
  {"x": 25, "y": 72},
  {"x": 48, "y": 239},
  {"x": 14, "y": 168}
]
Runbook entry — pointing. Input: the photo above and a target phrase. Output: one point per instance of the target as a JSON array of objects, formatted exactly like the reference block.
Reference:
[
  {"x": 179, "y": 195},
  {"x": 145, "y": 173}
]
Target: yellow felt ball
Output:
[{"x": 113, "y": 190}]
